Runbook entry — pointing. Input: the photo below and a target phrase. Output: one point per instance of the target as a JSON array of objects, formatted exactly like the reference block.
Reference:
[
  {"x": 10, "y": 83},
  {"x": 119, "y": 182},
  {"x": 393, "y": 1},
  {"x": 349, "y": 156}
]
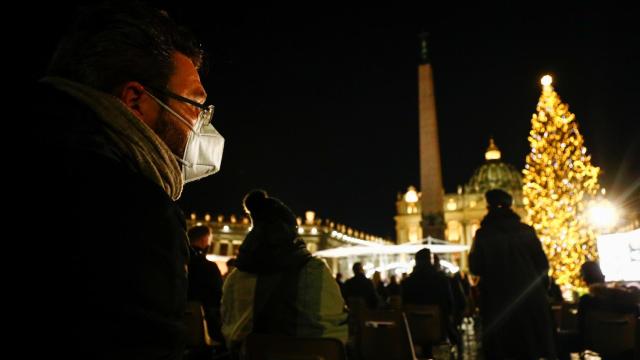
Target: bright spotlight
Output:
[{"x": 603, "y": 215}]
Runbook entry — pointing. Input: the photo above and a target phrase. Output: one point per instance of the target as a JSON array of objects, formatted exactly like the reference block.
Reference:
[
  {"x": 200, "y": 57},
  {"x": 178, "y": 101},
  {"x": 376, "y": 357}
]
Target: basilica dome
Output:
[{"x": 494, "y": 174}]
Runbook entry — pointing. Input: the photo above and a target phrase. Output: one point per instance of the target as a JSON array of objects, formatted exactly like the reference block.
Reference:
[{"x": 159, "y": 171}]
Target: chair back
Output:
[
  {"x": 426, "y": 324},
  {"x": 197, "y": 335},
  {"x": 395, "y": 302},
  {"x": 384, "y": 335},
  {"x": 357, "y": 307},
  {"x": 611, "y": 334},
  {"x": 569, "y": 317},
  {"x": 280, "y": 347}
]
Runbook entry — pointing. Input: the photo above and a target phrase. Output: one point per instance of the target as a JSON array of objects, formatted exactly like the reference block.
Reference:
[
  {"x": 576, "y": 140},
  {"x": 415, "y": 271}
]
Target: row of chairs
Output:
[
  {"x": 381, "y": 335},
  {"x": 378, "y": 334},
  {"x": 404, "y": 332}
]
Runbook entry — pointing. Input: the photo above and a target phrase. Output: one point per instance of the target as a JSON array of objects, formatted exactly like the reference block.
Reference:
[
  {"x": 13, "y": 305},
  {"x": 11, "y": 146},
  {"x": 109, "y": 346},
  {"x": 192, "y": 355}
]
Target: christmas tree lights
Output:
[{"x": 558, "y": 181}]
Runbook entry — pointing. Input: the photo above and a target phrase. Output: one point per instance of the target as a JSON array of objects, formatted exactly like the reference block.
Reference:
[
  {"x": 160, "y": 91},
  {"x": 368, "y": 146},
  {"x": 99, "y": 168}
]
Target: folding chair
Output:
[
  {"x": 384, "y": 335},
  {"x": 280, "y": 347},
  {"x": 427, "y": 326},
  {"x": 611, "y": 334}
]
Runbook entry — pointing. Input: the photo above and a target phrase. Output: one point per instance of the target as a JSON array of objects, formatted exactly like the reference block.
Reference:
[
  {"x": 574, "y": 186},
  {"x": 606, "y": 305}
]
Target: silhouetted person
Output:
[
  {"x": 205, "y": 280},
  {"x": 278, "y": 287},
  {"x": 231, "y": 265},
  {"x": 360, "y": 287},
  {"x": 428, "y": 286},
  {"x": 379, "y": 286},
  {"x": 122, "y": 125},
  {"x": 340, "y": 283},
  {"x": 508, "y": 257},
  {"x": 393, "y": 288}
]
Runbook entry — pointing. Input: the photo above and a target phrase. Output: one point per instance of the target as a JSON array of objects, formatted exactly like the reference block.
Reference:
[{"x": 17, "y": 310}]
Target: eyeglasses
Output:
[{"x": 206, "y": 111}]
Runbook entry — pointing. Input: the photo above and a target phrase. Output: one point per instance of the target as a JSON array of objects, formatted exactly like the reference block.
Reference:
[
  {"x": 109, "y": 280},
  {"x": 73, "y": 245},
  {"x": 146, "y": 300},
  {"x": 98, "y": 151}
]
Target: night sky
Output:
[{"x": 318, "y": 106}]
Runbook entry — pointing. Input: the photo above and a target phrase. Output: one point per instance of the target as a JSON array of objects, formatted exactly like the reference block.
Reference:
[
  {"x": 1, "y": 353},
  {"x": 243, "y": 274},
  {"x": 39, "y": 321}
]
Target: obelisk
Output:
[{"x": 430, "y": 167}]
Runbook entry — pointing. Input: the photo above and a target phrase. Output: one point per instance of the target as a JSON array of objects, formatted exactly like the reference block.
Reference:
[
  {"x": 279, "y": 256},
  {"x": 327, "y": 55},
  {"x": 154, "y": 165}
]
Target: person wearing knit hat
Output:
[
  {"x": 278, "y": 287},
  {"x": 508, "y": 257}
]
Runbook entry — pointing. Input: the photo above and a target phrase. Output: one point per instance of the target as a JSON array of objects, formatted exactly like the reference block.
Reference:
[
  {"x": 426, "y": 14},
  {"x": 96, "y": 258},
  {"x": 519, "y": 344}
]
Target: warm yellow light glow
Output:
[
  {"x": 314, "y": 231},
  {"x": 225, "y": 228},
  {"x": 309, "y": 216},
  {"x": 493, "y": 153},
  {"x": 451, "y": 205},
  {"x": 558, "y": 181},
  {"x": 411, "y": 196},
  {"x": 300, "y": 230},
  {"x": 603, "y": 215}
]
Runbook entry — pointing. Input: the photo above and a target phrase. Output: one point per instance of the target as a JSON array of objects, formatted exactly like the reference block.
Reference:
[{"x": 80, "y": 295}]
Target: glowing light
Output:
[
  {"x": 493, "y": 153},
  {"x": 603, "y": 214},
  {"x": 411, "y": 196},
  {"x": 314, "y": 231},
  {"x": 226, "y": 228},
  {"x": 378, "y": 249},
  {"x": 559, "y": 178},
  {"x": 309, "y": 216},
  {"x": 300, "y": 230}
]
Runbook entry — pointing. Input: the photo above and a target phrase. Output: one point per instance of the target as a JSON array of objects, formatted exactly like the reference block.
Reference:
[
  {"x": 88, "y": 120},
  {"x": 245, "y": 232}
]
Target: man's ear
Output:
[{"x": 139, "y": 102}]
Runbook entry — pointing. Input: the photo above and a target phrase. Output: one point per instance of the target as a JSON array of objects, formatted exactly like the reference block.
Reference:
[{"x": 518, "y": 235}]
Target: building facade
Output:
[
  {"x": 464, "y": 210},
  {"x": 229, "y": 232}
]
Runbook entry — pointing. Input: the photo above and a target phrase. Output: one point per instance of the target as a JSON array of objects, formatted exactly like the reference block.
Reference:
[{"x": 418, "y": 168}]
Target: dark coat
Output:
[
  {"x": 361, "y": 287},
  {"x": 512, "y": 266},
  {"x": 112, "y": 251},
  {"x": 427, "y": 286},
  {"x": 205, "y": 285}
]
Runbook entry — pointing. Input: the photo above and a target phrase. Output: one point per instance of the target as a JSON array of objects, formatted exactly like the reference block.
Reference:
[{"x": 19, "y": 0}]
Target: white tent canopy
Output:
[{"x": 410, "y": 248}]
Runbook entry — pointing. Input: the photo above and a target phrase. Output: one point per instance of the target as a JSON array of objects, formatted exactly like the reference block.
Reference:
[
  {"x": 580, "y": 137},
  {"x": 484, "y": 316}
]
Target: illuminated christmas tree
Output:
[{"x": 558, "y": 181}]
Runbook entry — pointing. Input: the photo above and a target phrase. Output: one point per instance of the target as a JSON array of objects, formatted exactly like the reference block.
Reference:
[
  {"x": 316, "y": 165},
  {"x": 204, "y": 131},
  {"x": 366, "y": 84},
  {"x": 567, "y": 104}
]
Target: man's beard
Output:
[{"x": 172, "y": 132}]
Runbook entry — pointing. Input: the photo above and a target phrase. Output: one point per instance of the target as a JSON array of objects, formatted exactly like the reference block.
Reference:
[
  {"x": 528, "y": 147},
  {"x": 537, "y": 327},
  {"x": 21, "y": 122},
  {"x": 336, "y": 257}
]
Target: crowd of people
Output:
[{"x": 123, "y": 125}]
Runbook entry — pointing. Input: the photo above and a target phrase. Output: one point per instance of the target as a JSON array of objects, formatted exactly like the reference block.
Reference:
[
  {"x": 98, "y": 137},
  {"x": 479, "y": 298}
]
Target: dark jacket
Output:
[
  {"x": 205, "y": 285},
  {"x": 425, "y": 285},
  {"x": 512, "y": 266},
  {"x": 112, "y": 278},
  {"x": 361, "y": 287}
]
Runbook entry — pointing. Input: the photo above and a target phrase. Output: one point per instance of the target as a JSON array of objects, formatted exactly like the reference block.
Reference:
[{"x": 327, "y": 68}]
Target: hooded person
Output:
[
  {"x": 508, "y": 257},
  {"x": 278, "y": 287}
]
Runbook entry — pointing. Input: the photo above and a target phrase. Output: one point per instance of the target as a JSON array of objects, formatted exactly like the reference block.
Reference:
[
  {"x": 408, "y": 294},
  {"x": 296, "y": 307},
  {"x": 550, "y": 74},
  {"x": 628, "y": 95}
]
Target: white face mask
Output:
[{"x": 203, "y": 153}]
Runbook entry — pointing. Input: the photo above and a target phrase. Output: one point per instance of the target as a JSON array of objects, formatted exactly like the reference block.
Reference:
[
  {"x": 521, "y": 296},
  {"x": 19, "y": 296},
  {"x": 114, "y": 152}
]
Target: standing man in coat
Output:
[
  {"x": 122, "y": 124},
  {"x": 508, "y": 257}
]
